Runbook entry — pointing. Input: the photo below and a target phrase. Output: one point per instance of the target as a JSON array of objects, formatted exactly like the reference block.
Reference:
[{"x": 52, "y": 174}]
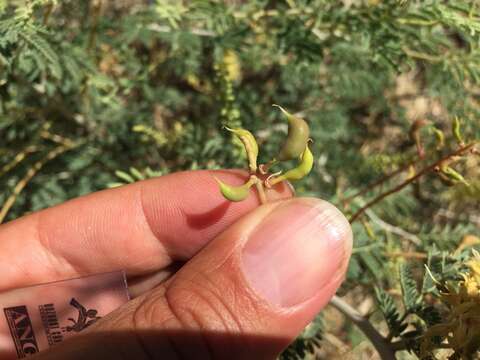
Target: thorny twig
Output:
[
  {"x": 18, "y": 159},
  {"x": 379, "y": 181},
  {"x": 391, "y": 228},
  {"x": 382, "y": 346},
  {"x": 422, "y": 172}
]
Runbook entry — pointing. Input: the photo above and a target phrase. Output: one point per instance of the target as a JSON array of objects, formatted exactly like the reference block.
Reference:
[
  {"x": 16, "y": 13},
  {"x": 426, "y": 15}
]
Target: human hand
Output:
[{"x": 249, "y": 278}]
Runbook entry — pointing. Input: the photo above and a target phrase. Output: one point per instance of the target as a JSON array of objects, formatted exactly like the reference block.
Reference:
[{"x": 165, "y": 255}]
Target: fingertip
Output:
[{"x": 296, "y": 250}]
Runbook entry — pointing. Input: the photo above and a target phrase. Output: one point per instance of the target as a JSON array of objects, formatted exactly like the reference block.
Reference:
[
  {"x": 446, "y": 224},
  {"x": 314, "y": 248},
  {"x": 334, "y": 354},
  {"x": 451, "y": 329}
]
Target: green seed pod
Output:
[
  {"x": 297, "y": 138},
  {"x": 302, "y": 170},
  {"x": 250, "y": 144},
  {"x": 456, "y": 130},
  {"x": 235, "y": 193},
  {"x": 454, "y": 175},
  {"x": 415, "y": 136},
  {"x": 451, "y": 174},
  {"x": 440, "y": 137}
]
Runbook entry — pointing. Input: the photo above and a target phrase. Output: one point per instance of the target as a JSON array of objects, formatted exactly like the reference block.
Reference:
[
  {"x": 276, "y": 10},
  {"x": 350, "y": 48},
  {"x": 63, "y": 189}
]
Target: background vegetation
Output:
[{"x": 98, "y": 93}]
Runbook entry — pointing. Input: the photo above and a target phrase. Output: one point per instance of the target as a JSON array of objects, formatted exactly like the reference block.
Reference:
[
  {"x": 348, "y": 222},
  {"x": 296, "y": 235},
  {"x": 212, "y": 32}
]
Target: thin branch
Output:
[
  {"x": 369, "y": 247},
  {"x": 193, "y": 31},
  {"x": 408, "y": 255},
  {"x": 378, "y": 341},
  {"x": 398, "y": 345},
  {"x": 379, "y": 181},
  {"x": 61, "y": 140},
  {"x": 393, "y": 229},
  {"x": 95, "y": 10},
  {"x": 18, "y": 159},
  {"x": 29, "y": 176},
  {"x": 423, "y": 56},
  {"x": 422, "y": 172},
  {"x": 48, "y": 12}
]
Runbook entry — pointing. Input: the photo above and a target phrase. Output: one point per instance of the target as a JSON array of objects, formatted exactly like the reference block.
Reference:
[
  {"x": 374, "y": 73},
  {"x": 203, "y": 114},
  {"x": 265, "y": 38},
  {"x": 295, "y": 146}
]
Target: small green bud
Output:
[
  {"x": 456, "y": 130},
  {"x": 450, "y": 173},
  {"x": 415, "y": 136},
  {"x": 135, "y": 172},
  {"x": 454, "y": 175},
  {"x": 297, "y": 138},
  {"x": 440, "y": 137}
]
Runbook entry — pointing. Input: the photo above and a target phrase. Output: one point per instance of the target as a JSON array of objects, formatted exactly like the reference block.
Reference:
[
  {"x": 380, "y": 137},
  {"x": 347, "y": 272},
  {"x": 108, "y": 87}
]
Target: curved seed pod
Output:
[
  {"x": 298, "y": 135},
  {"x": 454, "y": 175},
  {"x": 456, "y": 130},
  {"x": 302, "y": 170},
  {"x": 415, "y": 136},
  {"x": 449, "y": 174},
  {"x": 235, "y": 193},
  {"x": 250, "y": 144},
  {"x": 440, "y": 137},
  {"x": 411, "y": 172}
]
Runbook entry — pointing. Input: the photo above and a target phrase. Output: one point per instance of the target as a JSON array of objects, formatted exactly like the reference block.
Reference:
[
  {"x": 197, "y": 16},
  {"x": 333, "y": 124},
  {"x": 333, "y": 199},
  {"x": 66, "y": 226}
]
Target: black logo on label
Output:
[
  {"x": 85, "y": 317},
  {"x": 22, "y": 331},
  {"x": 50, "y": 323}
]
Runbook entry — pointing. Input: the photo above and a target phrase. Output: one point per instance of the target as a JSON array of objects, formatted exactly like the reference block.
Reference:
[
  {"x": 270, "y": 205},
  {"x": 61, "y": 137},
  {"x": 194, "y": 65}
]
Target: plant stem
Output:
[
  {"x": 261, "y": 191},
  {"x": 94, "y": 16},
  {"x": 378, "y": 341},
  {"x": 29, "y": 176},
  {"x": 18, "y": 159},
  {"x": 398, "y": 345},
  {"x": 391, "y": 228},
  {"x": 380, "y": 181},
  {"x": 422, "y": 172},
  {"x": 47, "y": 13},
  {"x": 408, "y": 255}
]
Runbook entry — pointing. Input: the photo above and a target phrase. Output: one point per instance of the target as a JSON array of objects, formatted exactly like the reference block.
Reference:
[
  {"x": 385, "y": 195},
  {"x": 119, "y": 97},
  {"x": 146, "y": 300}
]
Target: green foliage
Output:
[
  {"x": 143, "y": 88},
  {"x": 133, "y": 175},
  {"x": 389, "y": 310},
  {"x": 411, "y": 296}
]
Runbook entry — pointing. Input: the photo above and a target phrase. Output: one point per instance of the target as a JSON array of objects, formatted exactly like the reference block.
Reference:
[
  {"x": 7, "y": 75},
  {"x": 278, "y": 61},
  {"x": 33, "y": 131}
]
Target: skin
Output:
[{"x": 192, "y": 299}]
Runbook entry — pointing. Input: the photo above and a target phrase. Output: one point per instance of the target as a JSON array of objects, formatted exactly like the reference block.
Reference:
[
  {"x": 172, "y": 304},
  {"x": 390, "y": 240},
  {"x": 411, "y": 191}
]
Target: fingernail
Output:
[{"x": 296, "y": 250}]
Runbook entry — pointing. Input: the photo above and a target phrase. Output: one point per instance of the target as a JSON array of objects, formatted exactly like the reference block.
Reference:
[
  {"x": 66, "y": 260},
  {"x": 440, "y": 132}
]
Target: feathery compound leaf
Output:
[
  {"x": 136, "y": 173},
  {"x": 44, "y": 48},
  {"x": 390, "y": 312},
  {"x": 430, "y": 315},
  {"x": 434, "y": 267},
  {"x": 411, "y": 296}
]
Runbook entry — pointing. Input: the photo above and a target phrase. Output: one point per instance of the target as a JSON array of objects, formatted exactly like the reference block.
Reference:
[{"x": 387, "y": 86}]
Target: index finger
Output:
[{"x": 142, "y": 227}]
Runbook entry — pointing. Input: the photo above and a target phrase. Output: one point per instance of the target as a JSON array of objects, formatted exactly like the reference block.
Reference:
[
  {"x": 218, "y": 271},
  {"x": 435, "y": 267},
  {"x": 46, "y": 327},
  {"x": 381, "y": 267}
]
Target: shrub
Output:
[{"x": 95, "y": 93}]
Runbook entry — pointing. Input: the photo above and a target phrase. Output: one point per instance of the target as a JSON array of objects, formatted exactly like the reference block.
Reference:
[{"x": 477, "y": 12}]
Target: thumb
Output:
[{"x": 246, "y": 295}]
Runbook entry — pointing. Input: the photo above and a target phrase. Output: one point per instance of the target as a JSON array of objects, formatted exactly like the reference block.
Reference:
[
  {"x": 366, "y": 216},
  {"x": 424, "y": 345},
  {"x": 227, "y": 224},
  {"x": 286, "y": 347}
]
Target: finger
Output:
[
  {"x": 141, "y": 228},
  {"x": 246, "y": 295}
]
